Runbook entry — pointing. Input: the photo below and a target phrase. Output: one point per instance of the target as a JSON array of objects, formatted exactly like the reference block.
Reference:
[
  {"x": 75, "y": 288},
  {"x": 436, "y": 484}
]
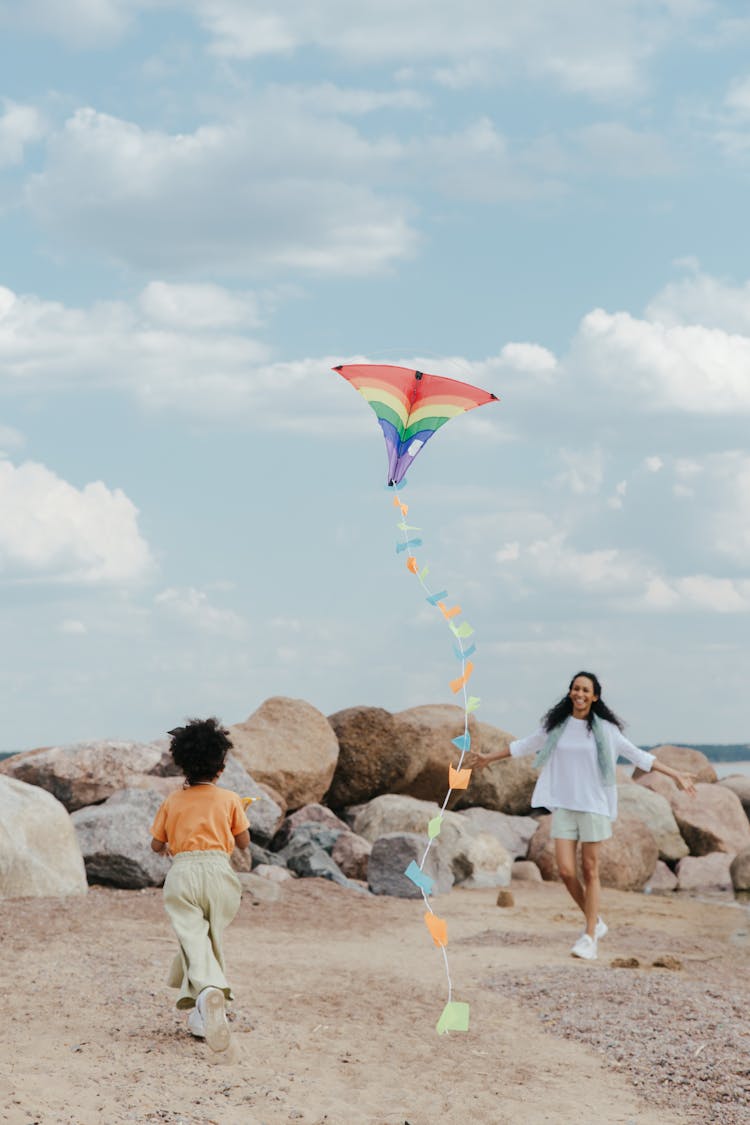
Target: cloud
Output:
[
  {"x": 703, "y": 300},
  {"x": 79, "y": 23},
  {"x": 193, "y": 608},
  {"x": 582, "y": 47},
  {"x": 20, "y": 125},
  {"x": 267, "y": 192},
  {"x": 56, "y": 532}
]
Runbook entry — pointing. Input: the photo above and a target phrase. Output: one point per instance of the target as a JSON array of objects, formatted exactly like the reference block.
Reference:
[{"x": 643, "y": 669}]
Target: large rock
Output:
[
  {"x": 705, "y": 873},
  {"x": 352, "y": 854},
  {"x": 663, "y": 879},
  {"x": 740, "y": 870},
  {"x": 712, "y": 821},
  {"x": 39, "y": 852},
  {"x": 656, "y": 813},
  {"x": 264, "y": 814},
  {"x": 391, "y": 855},
  {"x": 513, "y": 832},
  {"x": 424, "y": 734},
  {"x": 684, "y": 760},
  {"x": 658, "y": 783},
  {"x": 308, "y": 859},
  {"x": 308, "y": 814},
  {"x": 460, "y": 845},
  {"x": 115, "y": 839},
  {"x": 626, "y": 861},
  {"x": 372, "y": 760},
  {"x": 505, "y": 786},
  {"x": 289, "y": 745},
  {"x": 86, "y": 773},
  {"x": 739, "y": 783}
]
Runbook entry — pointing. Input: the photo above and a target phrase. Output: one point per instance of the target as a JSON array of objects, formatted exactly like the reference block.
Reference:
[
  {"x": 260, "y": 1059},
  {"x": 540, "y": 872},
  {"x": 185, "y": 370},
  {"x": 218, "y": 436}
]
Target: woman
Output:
[{"x": 576, "y": 750}]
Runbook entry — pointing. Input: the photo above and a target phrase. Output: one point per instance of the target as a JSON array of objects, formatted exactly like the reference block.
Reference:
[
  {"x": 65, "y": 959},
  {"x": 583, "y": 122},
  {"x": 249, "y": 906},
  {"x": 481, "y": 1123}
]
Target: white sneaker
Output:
[
  {"x": 212, "y": 1008},
  {"x": 195, "y": 1024},
  {"x": 601, "y": 930},
  {"x": 585, "y": 947}
]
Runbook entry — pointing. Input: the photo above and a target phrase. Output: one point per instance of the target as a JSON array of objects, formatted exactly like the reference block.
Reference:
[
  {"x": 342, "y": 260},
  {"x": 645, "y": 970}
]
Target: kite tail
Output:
[{"x": 455, "y": 1014}]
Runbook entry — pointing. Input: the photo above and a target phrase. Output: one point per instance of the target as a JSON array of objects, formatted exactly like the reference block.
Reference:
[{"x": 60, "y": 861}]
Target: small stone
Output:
[
  {"x": 505, "y": 898},
  {"x": 667, "y": 962},
  {"x": 625, "y": 963}
]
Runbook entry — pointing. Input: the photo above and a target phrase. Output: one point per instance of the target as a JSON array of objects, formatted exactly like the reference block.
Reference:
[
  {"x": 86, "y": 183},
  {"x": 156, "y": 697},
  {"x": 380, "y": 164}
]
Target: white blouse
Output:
[{"x": 571, "y": 779}]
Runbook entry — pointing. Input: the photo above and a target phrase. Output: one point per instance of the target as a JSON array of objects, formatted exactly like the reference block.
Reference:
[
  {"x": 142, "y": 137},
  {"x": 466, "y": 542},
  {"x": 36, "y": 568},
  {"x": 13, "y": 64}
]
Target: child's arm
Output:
[
  {"x": 242, "y": 839},
  {"x": 159, "y": 845}
]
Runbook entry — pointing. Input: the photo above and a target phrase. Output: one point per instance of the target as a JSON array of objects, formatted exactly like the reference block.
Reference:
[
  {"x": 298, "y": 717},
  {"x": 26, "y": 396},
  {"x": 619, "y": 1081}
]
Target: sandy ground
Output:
[{"x": 337, "y": 996}]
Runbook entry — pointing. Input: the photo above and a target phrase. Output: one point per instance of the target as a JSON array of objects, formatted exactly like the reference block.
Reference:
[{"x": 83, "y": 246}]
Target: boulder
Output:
[
  {"x": 656, "y": 813},
  {"x": 739, "y": 869},
  {"x": 258, "y": 889},
  {"x": 663, "y": 879},
  {"x": 658, "y": 783},
  {"x": 115, "y": 840},
  {"x": 391, "y": 855},
  {"x": 352, "y": 854},
  {"x": 424, "y": 735},
  {"x": 39, "y": 852},
  {"x": 320, "y": 834},
  {"x": 289, "y": 745},
  {"x": 308, "y": 814},
  {"x": 371, "y": 758},
  {"x": 273, "y": 873},
  {"x": 712, "y": 821},
  {"x": 513, "y": 832},
  {"x": 456, "y": 843},
  {"x": 705, "y": 873},
  {"x": 504, "y": 786},
  {"x": 263, "y": 857},
  {"x": 526, "y": 871},
  {"x": 739, "y": 783},
  {"x": 683, "y": 759},
  {"x": 86, "y": 773},
  {"x": 626, "y": 861},
  {"x": 265, "y": 815},
  {"x": 308, "y": 860}
]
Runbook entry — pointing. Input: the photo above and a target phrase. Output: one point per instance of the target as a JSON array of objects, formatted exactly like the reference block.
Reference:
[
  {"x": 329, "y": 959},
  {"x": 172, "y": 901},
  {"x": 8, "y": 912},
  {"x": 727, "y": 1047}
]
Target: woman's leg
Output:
[
  {"x": 565, "y": 854},
  {"x": 592, "y": 887}
]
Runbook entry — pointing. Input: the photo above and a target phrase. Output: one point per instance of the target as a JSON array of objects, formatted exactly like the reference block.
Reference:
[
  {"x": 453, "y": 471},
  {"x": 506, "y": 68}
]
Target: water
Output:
[{"x": 725, "y": 769}]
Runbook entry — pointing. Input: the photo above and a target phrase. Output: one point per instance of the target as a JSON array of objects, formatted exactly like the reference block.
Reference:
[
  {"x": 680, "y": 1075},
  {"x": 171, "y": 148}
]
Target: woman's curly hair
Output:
[{"x": 199, "y": 749}]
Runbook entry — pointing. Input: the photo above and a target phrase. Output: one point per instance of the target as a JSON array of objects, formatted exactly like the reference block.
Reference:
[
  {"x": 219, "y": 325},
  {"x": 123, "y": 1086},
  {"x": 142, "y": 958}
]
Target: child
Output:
[{"x": 199, "y": 825}]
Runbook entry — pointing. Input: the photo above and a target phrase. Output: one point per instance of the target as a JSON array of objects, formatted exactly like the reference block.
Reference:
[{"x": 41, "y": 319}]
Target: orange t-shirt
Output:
[{"x": 200, "y": 818}]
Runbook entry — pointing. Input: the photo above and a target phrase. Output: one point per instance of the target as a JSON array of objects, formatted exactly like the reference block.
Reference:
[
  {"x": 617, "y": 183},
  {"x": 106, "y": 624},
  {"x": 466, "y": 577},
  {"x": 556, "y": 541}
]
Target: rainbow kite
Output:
[{"x": 410, "y": 407}]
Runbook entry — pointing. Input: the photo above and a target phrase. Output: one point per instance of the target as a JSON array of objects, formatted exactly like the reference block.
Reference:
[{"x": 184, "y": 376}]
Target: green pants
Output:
[{"x": 201, "y": 897}]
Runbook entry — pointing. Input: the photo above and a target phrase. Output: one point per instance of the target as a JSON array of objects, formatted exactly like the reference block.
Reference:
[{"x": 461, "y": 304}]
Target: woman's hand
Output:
[
  {"x": 686, "y": 782},
  {"x": 476, "y": 761}
]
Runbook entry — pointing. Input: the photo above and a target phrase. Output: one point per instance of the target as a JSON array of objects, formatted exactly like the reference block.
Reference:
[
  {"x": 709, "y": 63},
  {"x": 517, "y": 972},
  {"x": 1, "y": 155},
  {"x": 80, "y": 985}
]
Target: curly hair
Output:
[
  {"x": 563, "y": 708},
  {"x": 199, "y": 749}
]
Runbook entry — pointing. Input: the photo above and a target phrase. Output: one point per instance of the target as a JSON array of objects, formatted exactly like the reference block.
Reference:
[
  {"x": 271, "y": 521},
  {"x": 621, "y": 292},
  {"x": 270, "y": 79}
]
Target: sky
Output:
[{"x": 206, "y": 205}]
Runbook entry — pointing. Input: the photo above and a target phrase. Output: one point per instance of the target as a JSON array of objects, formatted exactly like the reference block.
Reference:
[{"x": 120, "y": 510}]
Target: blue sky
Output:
[{"x": 205, "y": 205}]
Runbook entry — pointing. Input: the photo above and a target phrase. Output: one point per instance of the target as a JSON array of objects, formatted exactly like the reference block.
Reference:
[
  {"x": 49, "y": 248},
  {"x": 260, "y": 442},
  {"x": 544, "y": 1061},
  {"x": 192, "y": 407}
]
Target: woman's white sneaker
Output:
[
  {"x": 585, "y": 947},
  {"x": 601, "y": 929}
]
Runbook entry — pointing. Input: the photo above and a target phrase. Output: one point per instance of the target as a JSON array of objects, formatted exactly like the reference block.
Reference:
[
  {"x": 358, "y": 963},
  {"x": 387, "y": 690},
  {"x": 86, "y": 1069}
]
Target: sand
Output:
[{"x": 337, "y": 996}]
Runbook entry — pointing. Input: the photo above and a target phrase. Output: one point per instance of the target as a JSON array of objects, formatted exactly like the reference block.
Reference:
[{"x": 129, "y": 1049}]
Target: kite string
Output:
[{"x": 461, "y": 652}]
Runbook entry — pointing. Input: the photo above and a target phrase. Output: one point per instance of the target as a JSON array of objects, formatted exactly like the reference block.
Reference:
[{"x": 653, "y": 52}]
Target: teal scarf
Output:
[{"x": 603, "y": 755}]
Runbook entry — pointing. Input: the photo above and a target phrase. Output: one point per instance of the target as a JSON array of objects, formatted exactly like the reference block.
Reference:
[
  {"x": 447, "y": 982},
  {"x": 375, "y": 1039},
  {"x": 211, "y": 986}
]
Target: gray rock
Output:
[
  {"x": 264, "y": 815},
  {"x": 739, "y": 783},
  {"x": 39, "y": 850},
  {"x": 308, "y": 814},
  {"x": 86, "y": 773},
  {"x": 115, "y": 840},
  {"x": 513, "y": 832},
  {"x": 320, "y": 834},
  {"x": 656, "y": 813},
  {"x": 308, "y": 860},
  {"x": 391, "y": 855},
  {"x": 261, "y": 856}
]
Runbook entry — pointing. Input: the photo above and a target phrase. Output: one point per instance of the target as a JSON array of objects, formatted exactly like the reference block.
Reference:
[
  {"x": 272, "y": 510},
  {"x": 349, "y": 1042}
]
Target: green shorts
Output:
[{"x": 588, "y": 827}]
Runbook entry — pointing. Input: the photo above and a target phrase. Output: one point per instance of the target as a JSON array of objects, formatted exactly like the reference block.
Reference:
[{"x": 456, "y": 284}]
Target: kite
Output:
[{"x": 410, "y": 406}]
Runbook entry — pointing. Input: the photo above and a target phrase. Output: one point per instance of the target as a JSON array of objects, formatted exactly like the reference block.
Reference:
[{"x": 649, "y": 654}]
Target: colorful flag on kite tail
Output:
[{"x": 410, "y": 406}]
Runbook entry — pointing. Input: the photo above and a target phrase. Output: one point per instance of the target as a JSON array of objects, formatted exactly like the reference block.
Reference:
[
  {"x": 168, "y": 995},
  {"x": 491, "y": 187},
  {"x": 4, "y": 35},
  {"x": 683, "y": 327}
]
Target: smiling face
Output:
[{"x": 582, "y": 695}]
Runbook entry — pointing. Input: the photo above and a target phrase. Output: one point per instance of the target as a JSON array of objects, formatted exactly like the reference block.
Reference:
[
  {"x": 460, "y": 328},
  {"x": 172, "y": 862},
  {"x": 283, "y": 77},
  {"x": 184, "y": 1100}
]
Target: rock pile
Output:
[{"x": 348, "y": 798}]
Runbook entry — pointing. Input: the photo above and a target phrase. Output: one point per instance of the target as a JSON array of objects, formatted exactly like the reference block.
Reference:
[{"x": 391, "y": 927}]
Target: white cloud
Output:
[
  {"x": 699, "y": 299},
  {"x": 53, "y": 531},
  {"x": 584, "y": 470},
  {"x": 582, "y": 46},
  {"x": 617, "y": 150},
  {"x": 654, "y": 464},
  {"x": 194, "y": 609},
  {"x": 198, "y": 306},
  {"x": 80, "y": 23},
  {"x": 686, "y": 368},
  {"x": 20, "y": 125},
  {"x": 72, "y": 627},
  {"x": 10, "y": 439},
  {"x": 268, "y": 191}
]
